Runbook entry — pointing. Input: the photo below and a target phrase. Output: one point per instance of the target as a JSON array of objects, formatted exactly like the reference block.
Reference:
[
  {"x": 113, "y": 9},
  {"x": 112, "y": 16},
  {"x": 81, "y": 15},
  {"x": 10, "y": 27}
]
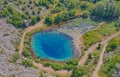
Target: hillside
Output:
[{"x": 37, "y": 35}]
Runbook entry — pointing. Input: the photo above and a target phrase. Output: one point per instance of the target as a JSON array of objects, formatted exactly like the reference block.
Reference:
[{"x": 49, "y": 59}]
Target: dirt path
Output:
[
  {"x": 61, "y": 73},
  {"x": 91, "y": 49},
  {"x": 85, "y": 57},
  {"x": 100, "y": 62},
  {"x": 37, "y": 25}
]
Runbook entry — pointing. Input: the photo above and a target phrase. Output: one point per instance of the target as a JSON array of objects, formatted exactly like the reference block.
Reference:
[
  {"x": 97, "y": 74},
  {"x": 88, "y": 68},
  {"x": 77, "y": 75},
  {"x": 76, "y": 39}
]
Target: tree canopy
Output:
[{"x": 106, "y": 10}]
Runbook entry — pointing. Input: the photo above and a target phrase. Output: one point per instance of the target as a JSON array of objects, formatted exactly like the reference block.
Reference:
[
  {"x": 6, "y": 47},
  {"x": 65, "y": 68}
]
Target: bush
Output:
[
  {"x": 117, "y": 24},
  {"x": 35, "y": 19},
  {"x": 44, "y": 3},
  {"x": 54, "y": 66},
  {"x": 98, "y": 35},
  {"x": 72, "y": 62},
  {"x": 112, "y": 45},
  {"x": 83, "y": 6},
  {"x": 49, "y": 20},
  {"x": 99, "y": 46},
  {"x": 16, "y": 19},
  {"x": 79, "y": 72},
  {"x": 15, "y": 57},
  {"x": 4, "y": 13},
  {"x": 26, "y": 53},
  {"x": 90, "y": 38},
  {"x": 85, "y": 15},
  {"x": 27, "y": 63}
]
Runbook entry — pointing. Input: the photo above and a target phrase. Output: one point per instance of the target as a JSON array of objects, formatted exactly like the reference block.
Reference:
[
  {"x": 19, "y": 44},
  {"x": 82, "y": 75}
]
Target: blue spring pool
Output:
[{"x": 52, "y": 46}]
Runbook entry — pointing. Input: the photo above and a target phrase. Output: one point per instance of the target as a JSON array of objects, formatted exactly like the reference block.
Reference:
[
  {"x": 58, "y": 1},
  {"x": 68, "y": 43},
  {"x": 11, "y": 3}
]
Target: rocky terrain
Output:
[{"x": 8, "y": 36}]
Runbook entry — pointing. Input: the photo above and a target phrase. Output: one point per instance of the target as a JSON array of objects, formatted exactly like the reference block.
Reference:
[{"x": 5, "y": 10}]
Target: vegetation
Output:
[
  {"x": 111, "y": 61},
  {"x": 79, "y": 72},
  {"x": 42, "y": 75},
  {"x": 91, "y": 38},
  {"x": 35, "y": 19},
  {"x": 17, "y": 11},
  {"x": 107, "y": 10},
  {"x": 15, "y": 57},
  {"x": 99, "y": 47},
  {"x": 26, "y": 53},
  {"x": 67, "y": 9},
  {"x": 92, "y": 61},
  {"x": 117, "y": 24},
  {"x": 68, "y": 65},
  {"x": 16, "y": 19},
  {"x": 27, "y": 63},
  {"x": 113, "y": 44},
  {"x": 94, "y": 36}
]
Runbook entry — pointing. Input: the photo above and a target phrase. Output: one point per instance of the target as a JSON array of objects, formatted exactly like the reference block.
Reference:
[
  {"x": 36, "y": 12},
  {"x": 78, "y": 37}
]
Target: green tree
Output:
[
  {"x": 49, "y": 20},
  {"x": 83, "y": 6},
  {"x": 106, "y": 10},
  {"x": 56, "y": 10},
  {"x": 4, "y": 13},
  {"x": 58, "y": 18},
  {"x": 35, "y": 19},
  {"x": 71, "y": 13},
  {"x": 85, "y": 14},
  {"x": 79, "y": 72},
  {"x": 10, "y": 9},
  {"x": 112, "y": 45},
  {"x": 117, "y": 24},
  {"x": 16, "y": 19},
  {"x": 44, "y": 3},
  {"x": 99, "y": 46},
  {"x": 94, "y": 1},
  {"x": 6, "y": 2}
]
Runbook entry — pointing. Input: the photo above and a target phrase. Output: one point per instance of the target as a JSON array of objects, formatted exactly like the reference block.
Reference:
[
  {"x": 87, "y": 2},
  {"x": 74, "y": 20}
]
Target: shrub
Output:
[
  {"x": 4, "y": 13},
  {"x": 35, "y": 19},
  {"x": 99, "y": 46},
  {"x": 27, "y": 63},
  {"x": 15, "y": 57},
  {"x": 90, "y": 38},
  {"x": 48, "y": 20},
  {"x": 112, "y": 45},
  {"x": 16, "y": 19},
  {"x": 79, "y": 72},
  {"x": 26, "y": 53},
  {"x": 117, "y": 24}
]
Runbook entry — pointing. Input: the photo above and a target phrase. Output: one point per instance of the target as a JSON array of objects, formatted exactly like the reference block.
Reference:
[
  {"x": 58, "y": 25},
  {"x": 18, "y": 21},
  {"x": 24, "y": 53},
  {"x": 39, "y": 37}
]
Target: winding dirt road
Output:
[
  {"x": 62, "y": 73},
  {"x": 100, "y": 62},
  {"x": 85, "y": 57},
  {"x": 91, "y": 49}
]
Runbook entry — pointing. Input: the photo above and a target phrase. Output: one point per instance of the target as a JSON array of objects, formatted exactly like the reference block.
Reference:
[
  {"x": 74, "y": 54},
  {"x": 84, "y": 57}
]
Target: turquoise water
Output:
[{"x": 52, "y": 46}]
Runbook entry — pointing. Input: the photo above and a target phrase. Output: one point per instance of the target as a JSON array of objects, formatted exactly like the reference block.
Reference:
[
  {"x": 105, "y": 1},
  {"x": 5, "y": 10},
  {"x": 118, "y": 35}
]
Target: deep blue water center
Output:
[{"x": 52, "y": 46}]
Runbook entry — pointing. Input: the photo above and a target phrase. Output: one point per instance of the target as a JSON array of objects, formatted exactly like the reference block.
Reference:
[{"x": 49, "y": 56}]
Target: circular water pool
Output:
[{"x": 52, "y": 46}]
